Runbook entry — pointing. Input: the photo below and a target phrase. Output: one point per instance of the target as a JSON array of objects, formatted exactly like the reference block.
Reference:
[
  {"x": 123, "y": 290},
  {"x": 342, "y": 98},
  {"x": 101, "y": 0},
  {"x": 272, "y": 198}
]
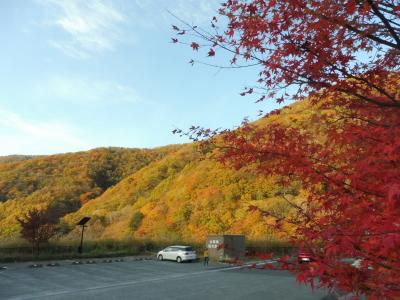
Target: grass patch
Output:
[
  {"x": 103, "y": 248},
  {"x": 20, "y": 251},
  {"x": 50, "y": 251}
]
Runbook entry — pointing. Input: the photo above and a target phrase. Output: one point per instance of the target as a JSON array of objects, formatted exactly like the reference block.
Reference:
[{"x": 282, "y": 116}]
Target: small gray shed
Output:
[{"x": 226, "y": 246}]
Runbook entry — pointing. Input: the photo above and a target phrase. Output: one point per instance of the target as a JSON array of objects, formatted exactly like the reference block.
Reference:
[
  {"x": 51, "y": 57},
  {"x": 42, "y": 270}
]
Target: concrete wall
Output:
[
  {"x": 235, "y": 246},
  {"x": 226, "y": 246}
]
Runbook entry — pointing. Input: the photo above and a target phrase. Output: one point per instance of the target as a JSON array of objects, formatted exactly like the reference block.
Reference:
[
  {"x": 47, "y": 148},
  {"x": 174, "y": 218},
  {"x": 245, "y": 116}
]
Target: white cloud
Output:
[
  {"x": 92, "y": 26},
  {"x": 73, "y": 89},
  {"x": 21, "y": 136},
  {"x": 95, "y": 26}
]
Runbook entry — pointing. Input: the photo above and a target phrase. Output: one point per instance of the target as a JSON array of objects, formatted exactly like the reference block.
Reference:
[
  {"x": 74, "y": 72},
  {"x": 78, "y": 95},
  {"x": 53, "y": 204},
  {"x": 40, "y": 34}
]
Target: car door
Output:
[
  {"x": 173, "y": 253},
  {"x": 167, "y": 253}
]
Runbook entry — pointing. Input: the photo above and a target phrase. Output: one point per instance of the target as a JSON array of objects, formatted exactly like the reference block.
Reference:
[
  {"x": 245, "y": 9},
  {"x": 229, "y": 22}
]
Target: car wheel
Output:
[
  {"x": 179, "y": 259},
  {"x": 160, "y": 257}
]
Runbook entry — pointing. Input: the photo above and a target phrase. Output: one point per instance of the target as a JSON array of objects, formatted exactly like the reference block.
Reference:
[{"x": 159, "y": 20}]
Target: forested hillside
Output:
[
  {"x": 64, "y": 182},
  {"x": 15, "y": 158},
  {"x": 168, "y": 193}
]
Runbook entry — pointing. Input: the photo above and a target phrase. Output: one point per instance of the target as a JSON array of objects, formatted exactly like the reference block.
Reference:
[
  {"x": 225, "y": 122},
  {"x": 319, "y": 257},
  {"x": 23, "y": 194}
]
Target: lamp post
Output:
[{"x": 82, "y": 223}]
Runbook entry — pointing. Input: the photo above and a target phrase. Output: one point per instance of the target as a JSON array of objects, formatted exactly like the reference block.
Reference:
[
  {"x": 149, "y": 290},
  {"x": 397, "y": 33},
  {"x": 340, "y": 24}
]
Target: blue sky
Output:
[{"x": 76, "y": 75}]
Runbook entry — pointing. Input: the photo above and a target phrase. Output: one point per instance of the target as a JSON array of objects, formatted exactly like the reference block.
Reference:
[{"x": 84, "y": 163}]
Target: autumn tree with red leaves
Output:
[
  {"x": 37, "y": 226},
  {"x": 342, "y": 57}
]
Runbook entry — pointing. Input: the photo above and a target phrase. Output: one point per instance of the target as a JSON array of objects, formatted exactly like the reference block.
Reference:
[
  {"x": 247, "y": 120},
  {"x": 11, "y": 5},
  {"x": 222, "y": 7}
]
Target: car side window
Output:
[
  {"x": 174, "y": 249},
  {"x": 168, "y": 249}
]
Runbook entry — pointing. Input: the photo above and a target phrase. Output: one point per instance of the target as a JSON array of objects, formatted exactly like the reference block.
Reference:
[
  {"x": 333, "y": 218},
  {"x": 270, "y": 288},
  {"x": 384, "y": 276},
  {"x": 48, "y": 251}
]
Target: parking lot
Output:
[{"x": 147, "y": 279}]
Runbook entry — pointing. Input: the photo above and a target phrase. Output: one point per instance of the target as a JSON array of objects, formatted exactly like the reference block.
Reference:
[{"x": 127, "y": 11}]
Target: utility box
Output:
[{"x": 226, "y": 246}]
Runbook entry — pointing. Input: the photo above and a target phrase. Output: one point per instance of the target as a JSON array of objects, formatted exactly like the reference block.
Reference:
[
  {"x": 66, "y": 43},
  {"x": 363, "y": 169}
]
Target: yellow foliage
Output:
[{"x": 181, "y": 194}]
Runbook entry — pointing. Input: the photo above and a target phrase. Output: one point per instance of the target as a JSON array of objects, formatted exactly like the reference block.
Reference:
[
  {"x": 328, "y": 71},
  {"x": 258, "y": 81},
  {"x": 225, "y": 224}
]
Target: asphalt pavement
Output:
[{"x": 147, "y": 279}]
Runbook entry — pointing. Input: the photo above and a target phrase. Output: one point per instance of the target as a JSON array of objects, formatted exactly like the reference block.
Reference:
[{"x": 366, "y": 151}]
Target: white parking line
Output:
[{"x": 122, "y": 284}]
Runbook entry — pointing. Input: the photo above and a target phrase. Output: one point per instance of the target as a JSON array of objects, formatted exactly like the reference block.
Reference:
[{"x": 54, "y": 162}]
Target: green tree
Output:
[
  {"x": 136, "y": 220},
  {"x": 104, "y": 171}
]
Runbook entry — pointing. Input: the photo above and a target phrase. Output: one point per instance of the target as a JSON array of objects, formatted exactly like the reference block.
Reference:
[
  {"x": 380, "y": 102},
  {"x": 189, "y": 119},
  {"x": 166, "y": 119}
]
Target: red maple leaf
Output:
[
  {"x": 194, "y": 46},
  {"x": 211, "y": 52}
]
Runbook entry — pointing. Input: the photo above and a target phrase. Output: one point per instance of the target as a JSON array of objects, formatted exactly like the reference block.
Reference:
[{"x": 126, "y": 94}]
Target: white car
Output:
[
  {"x": 177, "y": 253},
  {"x": 357, "y": 264}
]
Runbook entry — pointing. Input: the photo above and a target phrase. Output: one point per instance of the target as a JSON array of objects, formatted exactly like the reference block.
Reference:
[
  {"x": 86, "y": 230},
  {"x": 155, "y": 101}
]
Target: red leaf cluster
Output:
[
  {"x": 264, "y": 256},
  {"x": 344, "y": 56}
]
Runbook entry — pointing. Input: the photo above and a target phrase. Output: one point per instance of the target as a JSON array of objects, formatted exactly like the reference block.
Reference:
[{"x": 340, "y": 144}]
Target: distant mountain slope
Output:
[
  {"x": 15, "y": 158},
  {"x": 186, "y": 196},
  {"x": 168, "y": 193},
  {"x": 65, "y": 181},
  {"x": 179, "y": 197}
]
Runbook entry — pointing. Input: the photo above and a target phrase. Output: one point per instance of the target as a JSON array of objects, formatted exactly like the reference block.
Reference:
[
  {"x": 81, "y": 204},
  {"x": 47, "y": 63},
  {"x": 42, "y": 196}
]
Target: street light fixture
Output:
[{"x": 82, "y": 223}]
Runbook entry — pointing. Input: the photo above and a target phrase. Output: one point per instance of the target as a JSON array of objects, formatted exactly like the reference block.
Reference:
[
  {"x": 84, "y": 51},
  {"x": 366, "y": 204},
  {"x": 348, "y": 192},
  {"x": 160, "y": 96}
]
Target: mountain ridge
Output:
[{"x": 172, "y": 192}]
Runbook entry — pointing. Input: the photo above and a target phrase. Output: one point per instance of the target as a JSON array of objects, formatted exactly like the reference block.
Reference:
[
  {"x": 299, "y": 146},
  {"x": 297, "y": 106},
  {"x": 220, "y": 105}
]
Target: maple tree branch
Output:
[
  {"x": 207, "y": 36},
  {"x": 210, "y": 38},
  {"x": 299, "y": 208},
  {"x": 262, "y": 153},
  {"x": 348, "y": 185},
  {"x": 353, "y": 117},
  {"x": 347, "y": 91},
  {"x": 385, "y": 21},
  {"x": 368, "y": 99},
  {"x": 267, "y": 213},
  {"x": 355, "y": 30},
  {"x": 387, "y": 5},
  {"x": 307, "y": 48},
  {"x": 370, "y": 234},
  {"x": 227, "y": 67}
]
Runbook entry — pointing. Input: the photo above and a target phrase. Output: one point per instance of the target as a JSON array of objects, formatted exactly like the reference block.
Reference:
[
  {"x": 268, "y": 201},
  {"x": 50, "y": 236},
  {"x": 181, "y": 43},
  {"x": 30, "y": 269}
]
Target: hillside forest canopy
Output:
[{"x": 343, "y": 57}]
